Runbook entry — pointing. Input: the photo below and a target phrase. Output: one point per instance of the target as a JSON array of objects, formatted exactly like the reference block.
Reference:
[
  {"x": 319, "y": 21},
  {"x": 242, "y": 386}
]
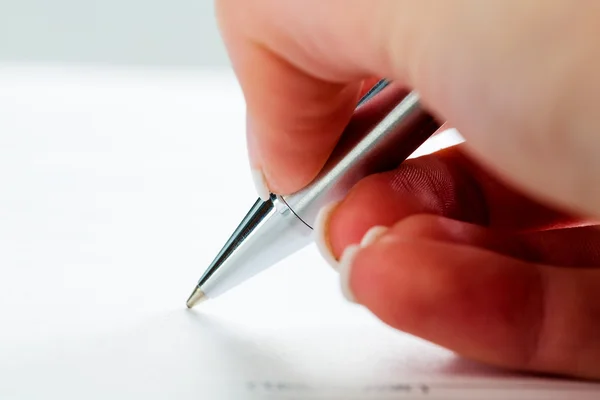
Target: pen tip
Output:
[{"x": 196, "y": 297}]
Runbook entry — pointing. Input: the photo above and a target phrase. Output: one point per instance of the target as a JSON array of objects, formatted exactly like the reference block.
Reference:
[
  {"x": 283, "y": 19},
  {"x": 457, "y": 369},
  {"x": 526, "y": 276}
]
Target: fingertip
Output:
[
  {"x": 296, "y": 130},
  {"x": 345, "y": 270},
  {"x": 372, "y": 202},
  {"x": 348, "y": 258}
]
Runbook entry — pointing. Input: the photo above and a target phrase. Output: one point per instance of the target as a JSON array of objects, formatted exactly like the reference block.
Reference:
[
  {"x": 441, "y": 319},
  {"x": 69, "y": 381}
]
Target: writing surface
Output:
[{"x": 116, "y": 189}]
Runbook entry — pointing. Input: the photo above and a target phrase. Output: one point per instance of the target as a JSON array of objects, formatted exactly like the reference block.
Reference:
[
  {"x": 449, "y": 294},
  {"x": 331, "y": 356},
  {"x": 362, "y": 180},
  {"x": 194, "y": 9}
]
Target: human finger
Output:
[
  {"x": 447, "y": 183},
  {"x": 524, "y": 98},
  {"x": 577, "y": 247},
  {"x": 480, "y": 304}
]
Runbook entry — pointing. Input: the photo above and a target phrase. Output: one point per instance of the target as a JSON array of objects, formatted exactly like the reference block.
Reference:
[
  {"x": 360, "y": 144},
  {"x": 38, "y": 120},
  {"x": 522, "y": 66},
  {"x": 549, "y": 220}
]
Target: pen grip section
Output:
[{"x": 381, "y": 135}]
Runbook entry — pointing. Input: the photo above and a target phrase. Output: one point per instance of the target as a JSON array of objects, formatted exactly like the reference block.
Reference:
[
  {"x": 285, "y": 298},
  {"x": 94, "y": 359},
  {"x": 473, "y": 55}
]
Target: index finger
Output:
[{"x": 302, "y": 77}]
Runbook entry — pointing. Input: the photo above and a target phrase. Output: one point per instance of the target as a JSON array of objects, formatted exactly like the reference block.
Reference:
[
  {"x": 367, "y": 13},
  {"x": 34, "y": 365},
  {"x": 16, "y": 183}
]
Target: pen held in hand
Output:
[{"x": 387, "y": 127}]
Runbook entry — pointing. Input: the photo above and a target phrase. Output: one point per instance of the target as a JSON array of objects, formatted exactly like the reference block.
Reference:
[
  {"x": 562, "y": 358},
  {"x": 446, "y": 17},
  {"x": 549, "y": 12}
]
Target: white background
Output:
[
  {"x": 179, "y": 33},
  {"x": 117, "y": 187}
]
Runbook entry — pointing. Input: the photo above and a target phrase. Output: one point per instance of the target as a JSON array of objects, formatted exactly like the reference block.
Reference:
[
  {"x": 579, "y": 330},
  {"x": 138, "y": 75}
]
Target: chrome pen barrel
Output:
[
  {"x": 385, "y": 129},
  {"x": 390, "y": 141}
]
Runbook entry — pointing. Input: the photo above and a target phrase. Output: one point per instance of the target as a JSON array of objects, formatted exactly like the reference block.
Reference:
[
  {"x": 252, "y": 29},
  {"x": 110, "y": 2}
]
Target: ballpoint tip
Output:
[{"x": 196, "y": 297}]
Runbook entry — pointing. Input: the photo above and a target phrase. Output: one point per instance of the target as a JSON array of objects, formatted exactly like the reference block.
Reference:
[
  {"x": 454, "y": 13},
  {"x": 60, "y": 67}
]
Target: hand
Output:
[{"x": 488, "y": 247}]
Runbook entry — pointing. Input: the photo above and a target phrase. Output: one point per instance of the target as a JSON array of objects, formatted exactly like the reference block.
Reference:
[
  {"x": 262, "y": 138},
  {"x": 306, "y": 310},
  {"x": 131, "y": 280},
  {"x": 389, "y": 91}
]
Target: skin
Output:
[{"x": 478, "y": 257}]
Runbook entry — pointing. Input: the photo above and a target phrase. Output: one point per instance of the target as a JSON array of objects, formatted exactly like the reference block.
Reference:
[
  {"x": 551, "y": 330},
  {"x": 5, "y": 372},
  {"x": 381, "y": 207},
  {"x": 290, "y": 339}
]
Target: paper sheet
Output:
[{"x": 116, "y": 189}]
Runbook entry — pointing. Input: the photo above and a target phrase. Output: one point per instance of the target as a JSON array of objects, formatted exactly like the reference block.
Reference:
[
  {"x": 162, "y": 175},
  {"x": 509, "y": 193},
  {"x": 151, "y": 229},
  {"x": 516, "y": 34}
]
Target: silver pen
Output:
[{"x": 387, "y": 127}]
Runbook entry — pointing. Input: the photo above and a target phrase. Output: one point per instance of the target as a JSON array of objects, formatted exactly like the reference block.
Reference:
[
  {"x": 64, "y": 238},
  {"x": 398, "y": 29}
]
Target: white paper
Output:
[{"x": 116, "y": 189}]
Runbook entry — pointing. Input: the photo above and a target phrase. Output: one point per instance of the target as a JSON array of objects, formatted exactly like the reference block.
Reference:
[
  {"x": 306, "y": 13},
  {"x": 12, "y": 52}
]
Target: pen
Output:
[{"x": 386, "y": 128}]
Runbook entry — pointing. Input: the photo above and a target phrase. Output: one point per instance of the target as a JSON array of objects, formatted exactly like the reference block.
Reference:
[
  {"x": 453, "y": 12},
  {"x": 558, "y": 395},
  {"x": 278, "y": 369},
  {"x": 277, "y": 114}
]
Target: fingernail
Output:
[
  {"x": 258, "y": 176},
  {"x": 322, "y": 233},
  {"x": 349, "y": 254},
  {"x": 260, "y": 184},
  {"x": 345, "y": 270},
  {"x": 373, "y": 234}
]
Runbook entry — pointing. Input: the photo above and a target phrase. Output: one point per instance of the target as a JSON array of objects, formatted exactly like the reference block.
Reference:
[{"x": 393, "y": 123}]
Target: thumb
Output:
[{"x": 524, "y": 97}]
